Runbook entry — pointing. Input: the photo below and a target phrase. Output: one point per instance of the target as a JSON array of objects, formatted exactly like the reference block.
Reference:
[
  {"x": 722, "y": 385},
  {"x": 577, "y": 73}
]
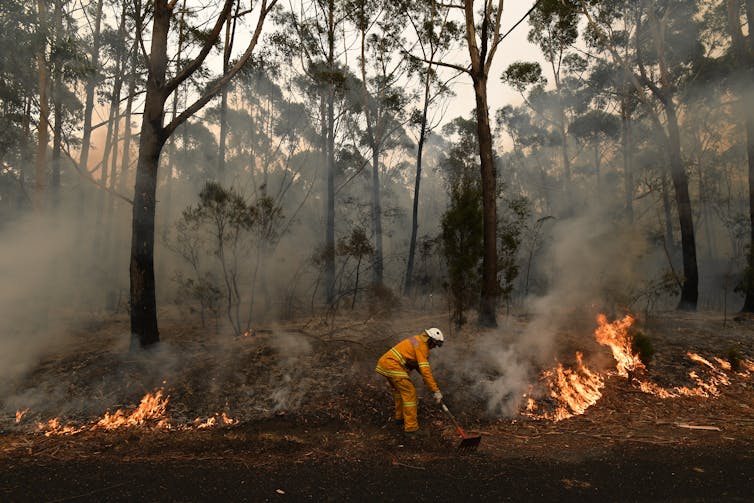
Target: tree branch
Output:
[
  {"x": 194, "y": 64},
  {"x": 438, "y": 63},
  {"x": 88, "y": 177},
  {"x": 203, "y": 100}
]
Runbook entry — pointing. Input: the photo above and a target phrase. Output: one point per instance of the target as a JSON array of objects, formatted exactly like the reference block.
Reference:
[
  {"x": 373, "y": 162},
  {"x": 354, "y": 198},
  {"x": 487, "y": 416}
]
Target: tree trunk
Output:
[
  {"x": 328, "y": 150},
  {"x": 40, "y": 163},
  {"x": 408, "y": 283},
  {"x": 745, "y": 60},
  {"x": 628, "y": 174},
  {"x": 690, "y": 288},
  {"x": 487, "y": 315},
  {"x": 58, "y": 107},
  {"x": 377, "y": 271},
  {"x": 224, "y": 105},
  {"x": 91, "y": 85},
  {"x": 144, "y": 331}
]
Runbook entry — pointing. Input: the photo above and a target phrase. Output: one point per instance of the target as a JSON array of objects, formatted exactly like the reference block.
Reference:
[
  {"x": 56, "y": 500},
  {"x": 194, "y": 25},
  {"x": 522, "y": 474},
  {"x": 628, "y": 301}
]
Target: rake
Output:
[{"x": 468, "y": 442}]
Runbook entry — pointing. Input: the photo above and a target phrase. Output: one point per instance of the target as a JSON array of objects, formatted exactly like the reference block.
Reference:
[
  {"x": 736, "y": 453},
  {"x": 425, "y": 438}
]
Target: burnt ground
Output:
[{"x": 314, "y": 422}]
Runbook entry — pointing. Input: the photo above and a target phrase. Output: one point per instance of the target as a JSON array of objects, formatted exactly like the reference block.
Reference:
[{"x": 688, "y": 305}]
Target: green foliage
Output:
[
  {"x": 231, "y": 227},
  {"x": 511, "y": 224},
  {"x": 522, "y": 74},
  {"x": 462, "y": 238}
]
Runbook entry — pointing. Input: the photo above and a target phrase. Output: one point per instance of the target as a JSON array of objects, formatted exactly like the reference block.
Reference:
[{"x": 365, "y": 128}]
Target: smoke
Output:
[
  {"x": 34, "y": 270},
  {"x": 592, "y": 264},
  {"x": 291, "y": 380}
]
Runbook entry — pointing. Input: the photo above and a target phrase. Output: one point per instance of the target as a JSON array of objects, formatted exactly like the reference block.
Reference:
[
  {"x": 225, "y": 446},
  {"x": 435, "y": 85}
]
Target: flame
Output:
[
  {"x": 151, "y": 408},
  {"x": 20, "y": 414},
  {"x": 217, "y": 419},
  {"x": 616, "y": 336},
  {"x": 575, "y": 390},
  {"x": 53, "y": 427}
]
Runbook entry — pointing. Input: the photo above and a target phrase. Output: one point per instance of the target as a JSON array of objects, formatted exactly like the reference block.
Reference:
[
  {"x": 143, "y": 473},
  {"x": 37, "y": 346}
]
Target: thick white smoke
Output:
[{"x": 592, "y": 266}]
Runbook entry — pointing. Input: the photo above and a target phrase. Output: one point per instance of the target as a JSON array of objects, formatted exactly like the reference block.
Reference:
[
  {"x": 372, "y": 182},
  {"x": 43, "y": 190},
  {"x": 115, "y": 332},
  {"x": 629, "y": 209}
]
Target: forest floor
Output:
[{"x": 296, "y": 412}]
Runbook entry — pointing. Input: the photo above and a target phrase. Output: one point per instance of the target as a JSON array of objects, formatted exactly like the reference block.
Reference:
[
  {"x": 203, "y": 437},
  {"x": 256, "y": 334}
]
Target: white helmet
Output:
[{"x": 436, "y": 335}]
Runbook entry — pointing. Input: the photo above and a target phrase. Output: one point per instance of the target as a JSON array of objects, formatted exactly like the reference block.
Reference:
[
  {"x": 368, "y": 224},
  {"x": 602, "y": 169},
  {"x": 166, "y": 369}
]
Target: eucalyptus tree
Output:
[
  {"x": 482, "y": 38},
  {"x": 143, "y": 306},
  {"x": 18, "y": 29},
  {"x": 382, "y": 69},
  {"x": 434, "y": 36},
  {"x": 318, "y": 26},
  {"x": 666, "y": 43},
  {"x": 554, "y": 29},
  {"x": 742, "y": 48}
]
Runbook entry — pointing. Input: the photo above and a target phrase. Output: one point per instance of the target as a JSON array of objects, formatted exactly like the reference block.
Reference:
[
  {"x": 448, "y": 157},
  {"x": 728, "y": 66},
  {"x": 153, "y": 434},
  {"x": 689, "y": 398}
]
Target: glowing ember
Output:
[{"x": 217, "y": 419}]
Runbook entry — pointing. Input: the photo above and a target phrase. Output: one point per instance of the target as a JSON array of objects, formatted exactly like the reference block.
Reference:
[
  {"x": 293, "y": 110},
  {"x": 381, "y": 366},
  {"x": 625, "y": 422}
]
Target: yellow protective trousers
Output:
[{"x": 404, "y": 394}]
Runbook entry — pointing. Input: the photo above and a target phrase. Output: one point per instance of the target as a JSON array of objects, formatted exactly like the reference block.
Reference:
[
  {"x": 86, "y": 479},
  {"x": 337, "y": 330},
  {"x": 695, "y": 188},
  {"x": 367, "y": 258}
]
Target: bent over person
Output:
[{"x": 410, "y": 354}]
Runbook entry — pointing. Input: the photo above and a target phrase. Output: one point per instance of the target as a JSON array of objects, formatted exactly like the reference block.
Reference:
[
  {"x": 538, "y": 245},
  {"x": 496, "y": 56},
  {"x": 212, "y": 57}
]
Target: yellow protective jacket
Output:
[{"x": 409, "y": 354}]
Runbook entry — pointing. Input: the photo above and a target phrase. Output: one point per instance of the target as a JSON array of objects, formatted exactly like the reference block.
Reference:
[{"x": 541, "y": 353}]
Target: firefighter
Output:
[{"x": 395, "y": 364}]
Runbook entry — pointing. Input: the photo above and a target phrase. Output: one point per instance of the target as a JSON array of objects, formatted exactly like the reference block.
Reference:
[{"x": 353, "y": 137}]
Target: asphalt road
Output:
[{"x": 654, "y": 474}]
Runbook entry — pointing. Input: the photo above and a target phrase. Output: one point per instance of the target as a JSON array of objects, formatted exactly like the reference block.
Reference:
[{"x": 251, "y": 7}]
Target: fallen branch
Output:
[{"x": 697, "y": 427}]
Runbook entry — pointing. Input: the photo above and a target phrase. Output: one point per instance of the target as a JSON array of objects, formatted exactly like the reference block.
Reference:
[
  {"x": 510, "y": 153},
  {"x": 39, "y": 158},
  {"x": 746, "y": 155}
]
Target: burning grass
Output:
[
  {"x": 316, "y": 384},
  {"x": 573, "y": 390},
  {"x": 151, "y": 413}
]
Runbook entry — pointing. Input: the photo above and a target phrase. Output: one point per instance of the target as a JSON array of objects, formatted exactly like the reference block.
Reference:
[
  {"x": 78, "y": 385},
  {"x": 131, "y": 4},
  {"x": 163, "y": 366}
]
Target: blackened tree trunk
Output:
[{"x": 690, "y": 288}]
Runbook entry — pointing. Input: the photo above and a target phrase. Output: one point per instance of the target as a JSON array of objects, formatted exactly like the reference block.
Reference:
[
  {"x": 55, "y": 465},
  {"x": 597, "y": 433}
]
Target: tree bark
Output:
[
  {"x": 57, "y": 89},
  {"x": 40, "y": 163},
  {"x": 488, "y": 303},
  {"x": 328, "y": 139},
  {"x": 627, "y": 147},
  {"x": 144, "y": 331},
  {"x": 690, "y": 289},
  {"x": 91, "y": 85},
  {"x": 409, "y": 281},
  {"x": 744, "y": 56}
]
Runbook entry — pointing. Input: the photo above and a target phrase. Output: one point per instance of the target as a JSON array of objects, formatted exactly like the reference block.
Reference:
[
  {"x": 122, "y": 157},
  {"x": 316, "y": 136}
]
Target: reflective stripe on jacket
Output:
[{"x": 409, "y": 354}]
